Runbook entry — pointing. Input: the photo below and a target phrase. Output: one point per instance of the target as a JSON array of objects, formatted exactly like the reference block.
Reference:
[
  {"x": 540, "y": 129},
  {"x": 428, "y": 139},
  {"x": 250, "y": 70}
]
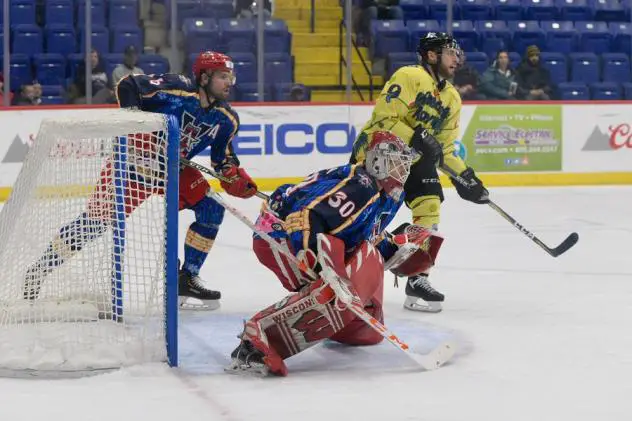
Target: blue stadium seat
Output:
[
  {"x": 153, "y": 63},
  {"x": 111, "y": 60},
  {"x": 123, "y": 36},
  {"x": 74, "y": 60},
  {"x": 282, "y": 92},
  {"x": 50, "y": 69},
  {"x": 514, "y": 59},
  {"x": 611, "y": 11},
  {"x": 560, "y": 36},
  {"x": 526, "y": 33},
  {"x": 465, "y": 32},
  {"x": 418, "y": 28},
  {"x": 245, "y": 67},
  {"x": 248, "y": 92},
  {"x": 200, "y": 34},
  {"x": 584, "y": 67},
  {"x": 605, "y": 91},
  {"x": 493, "y": 36},
  {"x": 123, "y": 12},
  {"x": 615, "y": 67},
  {"x": 278, "y": 68},
  {"x": 52, "y": 94},
  {"x": 98, "y": 13},
  {"x": 572, "y": 10},
  {"x": 219, "y": 9},
  {"x": 27, "y": 39},
  {"x": 570, "y": 91},
  {"x": 557, "y": 66},
  {"x": 507, "y": 9},
  {"x": 238, "y": 35},
  {"x": 20, "y": 70},
  {"x": 276, "y": 36},
  {"x": 396, "y": 60},
  {"x": 388, "y": 36},
  {"x": 413, "y": 9},
  {"x": 60, "y": 39},
  {"x": 59, "y": 12},
  {"x": 100, "y": 39},
  {"x": 622, "y": 35},
  {"x": 186, "y": 9},
  {"x": 540, "y": 9},
  {"x": 22, "y": 12},
  {"x": 477, "y": 60},
  {"x": 627, "y": 90},
  {"x": 475, "y": 10},
  {"x": 438, "y": 9},
  {"x": 594, "y": 37}
]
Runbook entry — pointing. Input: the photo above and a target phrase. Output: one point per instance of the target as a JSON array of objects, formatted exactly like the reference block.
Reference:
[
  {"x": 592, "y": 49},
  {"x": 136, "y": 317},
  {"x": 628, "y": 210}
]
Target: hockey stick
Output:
[
  {"x": 434, "y": 359},
  {"x": 216, "y": 175},
  {"x": 569, "y": 242}
]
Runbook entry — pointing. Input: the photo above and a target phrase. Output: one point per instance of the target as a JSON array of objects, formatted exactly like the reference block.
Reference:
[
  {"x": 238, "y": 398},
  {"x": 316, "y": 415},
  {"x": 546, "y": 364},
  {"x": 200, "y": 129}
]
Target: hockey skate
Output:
[
  {"x": 253, "y": 357},
  {"x": 33, "y": 278},
  {"x": 421, "y": 296},
  {"x": 192, "y": 295}
]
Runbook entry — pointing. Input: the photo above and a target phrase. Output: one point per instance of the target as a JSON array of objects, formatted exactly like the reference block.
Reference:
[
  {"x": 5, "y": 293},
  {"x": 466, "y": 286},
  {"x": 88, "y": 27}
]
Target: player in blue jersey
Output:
[
  {"x": 352, "y": 206},
  {"x": 206, "y": 120}
]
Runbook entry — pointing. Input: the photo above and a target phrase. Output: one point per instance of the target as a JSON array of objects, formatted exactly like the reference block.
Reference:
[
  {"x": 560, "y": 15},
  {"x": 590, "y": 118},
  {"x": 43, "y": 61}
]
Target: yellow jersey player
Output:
[{"x": 421, "y": 107}]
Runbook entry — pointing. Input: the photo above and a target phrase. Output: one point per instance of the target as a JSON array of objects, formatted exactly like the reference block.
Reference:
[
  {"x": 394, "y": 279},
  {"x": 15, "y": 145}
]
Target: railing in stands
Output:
[
  {"x": 312, "y": 17},
  {"x": 343, "y": 62}
]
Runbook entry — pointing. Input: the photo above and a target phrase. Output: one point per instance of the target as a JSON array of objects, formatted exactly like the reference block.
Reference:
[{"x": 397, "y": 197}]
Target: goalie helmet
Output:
[
  {"x": 388, "y": 159},
  {"x": 213, "y": 61}
]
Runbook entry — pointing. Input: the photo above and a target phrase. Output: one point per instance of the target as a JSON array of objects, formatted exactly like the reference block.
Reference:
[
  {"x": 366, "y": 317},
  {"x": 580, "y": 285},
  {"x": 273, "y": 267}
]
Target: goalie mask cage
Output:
[{"x": 88, "y": 247}]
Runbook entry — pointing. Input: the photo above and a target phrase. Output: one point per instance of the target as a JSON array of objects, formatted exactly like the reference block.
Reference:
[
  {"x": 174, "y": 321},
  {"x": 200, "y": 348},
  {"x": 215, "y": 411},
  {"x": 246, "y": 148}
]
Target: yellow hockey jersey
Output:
[{"x": 410, "y": 98}]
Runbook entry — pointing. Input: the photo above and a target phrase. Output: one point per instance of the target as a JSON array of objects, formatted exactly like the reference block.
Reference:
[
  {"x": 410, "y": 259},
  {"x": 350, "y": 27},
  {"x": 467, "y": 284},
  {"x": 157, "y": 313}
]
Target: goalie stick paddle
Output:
[
  {"x": 569, "y": 242},
  {"x": 433, "y": 360},
  {"x": 216, "y": 175}
]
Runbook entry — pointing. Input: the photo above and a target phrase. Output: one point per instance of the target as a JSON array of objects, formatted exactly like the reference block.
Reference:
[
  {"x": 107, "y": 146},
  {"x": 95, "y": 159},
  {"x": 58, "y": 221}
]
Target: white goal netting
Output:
[{"x": 83, "y": 243}]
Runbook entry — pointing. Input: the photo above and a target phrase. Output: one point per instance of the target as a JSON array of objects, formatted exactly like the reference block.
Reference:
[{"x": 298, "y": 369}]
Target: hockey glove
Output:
[
  {"x": 423, "y": 142},
  {"x": 240, "y": 184},
  {"x": 475, "y": 191}
]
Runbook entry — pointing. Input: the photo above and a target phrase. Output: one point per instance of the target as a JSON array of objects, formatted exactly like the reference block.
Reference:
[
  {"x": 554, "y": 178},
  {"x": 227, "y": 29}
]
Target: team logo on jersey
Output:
[
  {"x": 192, "y": 132},
  {"x": 364, "y": 180}
]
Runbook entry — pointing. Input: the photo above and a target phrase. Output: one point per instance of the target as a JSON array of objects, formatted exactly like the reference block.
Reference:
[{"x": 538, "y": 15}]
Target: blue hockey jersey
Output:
[
  {"x": 343, "y": 201},
  {"x": 200, "y": 128}
]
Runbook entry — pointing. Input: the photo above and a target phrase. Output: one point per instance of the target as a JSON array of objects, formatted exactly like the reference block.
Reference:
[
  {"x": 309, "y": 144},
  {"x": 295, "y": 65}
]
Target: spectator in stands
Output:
[
  {"x": 101, "y": 89},
  {"x": 499, "y": 80},
  {"x": 369, "y": 10},
  {"x": 298, "y": 93},
  {"x": 2, "y": 91},
  {"x": 27, "y": 96},
  {"x": 534, "y": 81},
  {"x": 466, "y": 80},
  {"x": 246, "y": 9},
  {"x": 128, "y": 67}
]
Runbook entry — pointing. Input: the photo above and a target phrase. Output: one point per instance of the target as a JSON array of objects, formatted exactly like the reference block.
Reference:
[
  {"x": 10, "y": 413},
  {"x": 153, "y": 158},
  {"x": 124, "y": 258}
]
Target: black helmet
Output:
[{"x": 435, "y": 41}]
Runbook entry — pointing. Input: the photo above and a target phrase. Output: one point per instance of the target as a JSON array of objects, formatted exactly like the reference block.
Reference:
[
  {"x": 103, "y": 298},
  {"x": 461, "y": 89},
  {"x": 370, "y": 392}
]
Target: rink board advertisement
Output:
[{"x": 509, "y": 144}]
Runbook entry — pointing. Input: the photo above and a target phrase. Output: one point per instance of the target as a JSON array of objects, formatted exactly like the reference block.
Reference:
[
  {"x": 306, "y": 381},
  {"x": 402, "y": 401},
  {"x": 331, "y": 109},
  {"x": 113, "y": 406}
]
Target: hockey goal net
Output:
[{"x": 86, "y": 246}]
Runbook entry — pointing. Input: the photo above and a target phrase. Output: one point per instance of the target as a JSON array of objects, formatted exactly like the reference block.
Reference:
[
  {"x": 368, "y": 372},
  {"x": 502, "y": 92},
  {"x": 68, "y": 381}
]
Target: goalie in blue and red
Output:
[
  {"x": 206, "y": 120},
  {"x": 351, "y": 205}
]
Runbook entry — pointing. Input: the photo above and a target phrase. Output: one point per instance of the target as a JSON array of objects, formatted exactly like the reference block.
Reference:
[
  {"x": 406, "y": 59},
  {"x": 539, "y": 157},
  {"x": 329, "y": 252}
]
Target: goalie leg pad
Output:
[{"x": 286, "y": 271}]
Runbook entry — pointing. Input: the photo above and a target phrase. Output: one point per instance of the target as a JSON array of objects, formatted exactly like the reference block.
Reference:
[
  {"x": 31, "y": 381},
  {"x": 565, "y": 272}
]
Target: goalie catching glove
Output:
[
  {"x": 475, "y": 191},
  {"x": 416, "y": 250},
  {"x": 239, "y": 183}
]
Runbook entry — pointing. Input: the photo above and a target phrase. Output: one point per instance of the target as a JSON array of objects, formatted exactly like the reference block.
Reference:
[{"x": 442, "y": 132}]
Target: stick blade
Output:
[
  {"x": 570, "y": 241},
  {"x": 438, "y": 356}
]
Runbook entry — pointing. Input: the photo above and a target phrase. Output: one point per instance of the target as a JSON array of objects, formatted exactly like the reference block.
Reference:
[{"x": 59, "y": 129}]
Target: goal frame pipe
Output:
[
  {"x": 118, "y": 231},
  {"x": 171, "y": 239}
]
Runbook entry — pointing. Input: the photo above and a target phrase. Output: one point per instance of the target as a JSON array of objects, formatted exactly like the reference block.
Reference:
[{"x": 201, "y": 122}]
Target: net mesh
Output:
[{"x": 82, "y": 246}]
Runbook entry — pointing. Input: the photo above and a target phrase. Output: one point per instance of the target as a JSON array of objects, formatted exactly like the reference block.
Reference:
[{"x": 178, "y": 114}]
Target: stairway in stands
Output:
[{"x": 316, "y": 54}]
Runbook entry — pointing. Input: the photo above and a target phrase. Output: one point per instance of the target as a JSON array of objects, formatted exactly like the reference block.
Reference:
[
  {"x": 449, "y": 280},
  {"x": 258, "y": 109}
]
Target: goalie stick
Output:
[
  {"x": 433, "y": 360},
  {"x": 569, "y": 242}
]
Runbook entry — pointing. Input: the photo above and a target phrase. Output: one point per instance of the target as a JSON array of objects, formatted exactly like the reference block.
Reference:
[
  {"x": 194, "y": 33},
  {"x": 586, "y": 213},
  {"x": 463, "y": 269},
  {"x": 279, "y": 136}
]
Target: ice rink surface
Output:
[{"x": 540, "y": 338}]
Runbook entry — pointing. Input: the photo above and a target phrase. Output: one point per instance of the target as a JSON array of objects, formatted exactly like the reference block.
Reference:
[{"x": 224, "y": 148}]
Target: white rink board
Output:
[{"x": 291, "y": 141}]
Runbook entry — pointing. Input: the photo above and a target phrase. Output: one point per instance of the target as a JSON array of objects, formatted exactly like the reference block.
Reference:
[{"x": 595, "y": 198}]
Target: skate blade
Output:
[
  {"x": 193, "y": 304},
  {"x": 417, "y": 304},
  {"x": 239, "y": 368}
]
